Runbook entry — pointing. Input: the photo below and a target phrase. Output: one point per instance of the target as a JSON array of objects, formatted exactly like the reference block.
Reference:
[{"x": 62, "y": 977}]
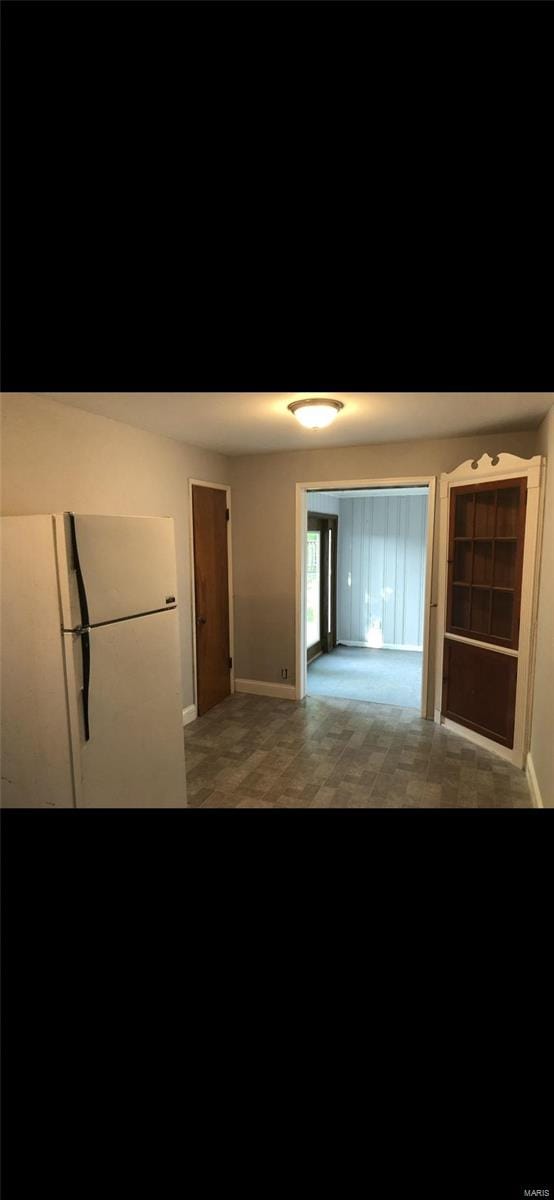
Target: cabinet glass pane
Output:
[
  {"x": 462, "y": 561},
  {"x": 484, "y": 514},
  {"x": 507, "y": 512},
  {"x": 482, "y": 562},
  {"x": 460, "y": 607},
  {"x": 502, "y": 614},
  {"x": 464, "y": 515},
  {"x": 505, "y": 564},
  {"x": 480, "y": 610}
]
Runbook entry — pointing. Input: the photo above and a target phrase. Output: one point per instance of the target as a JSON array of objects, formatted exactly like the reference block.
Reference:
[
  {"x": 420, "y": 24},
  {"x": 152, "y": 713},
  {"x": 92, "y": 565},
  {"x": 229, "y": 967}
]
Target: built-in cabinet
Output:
[{"x": 490, "y": 531}]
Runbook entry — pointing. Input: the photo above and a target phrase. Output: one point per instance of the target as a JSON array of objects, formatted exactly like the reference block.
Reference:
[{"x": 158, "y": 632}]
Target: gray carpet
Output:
[{"x": 354, "y": 673}]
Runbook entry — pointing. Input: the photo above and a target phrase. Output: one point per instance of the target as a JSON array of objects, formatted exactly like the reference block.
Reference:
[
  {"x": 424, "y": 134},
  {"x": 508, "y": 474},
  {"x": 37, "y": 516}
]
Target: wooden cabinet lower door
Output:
[{"x": 479, "y": 690}]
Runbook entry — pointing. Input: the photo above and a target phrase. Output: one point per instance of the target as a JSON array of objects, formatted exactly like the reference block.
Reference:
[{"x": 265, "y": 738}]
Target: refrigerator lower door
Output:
[
  {"x": 134, "y": 757},
  {"x": 35, "y": 736}
]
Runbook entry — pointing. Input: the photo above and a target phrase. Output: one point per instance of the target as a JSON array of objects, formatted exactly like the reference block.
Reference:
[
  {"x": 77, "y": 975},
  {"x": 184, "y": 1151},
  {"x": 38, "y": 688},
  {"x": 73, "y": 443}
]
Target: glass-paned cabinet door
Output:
[{"x": 485, "y": 559}]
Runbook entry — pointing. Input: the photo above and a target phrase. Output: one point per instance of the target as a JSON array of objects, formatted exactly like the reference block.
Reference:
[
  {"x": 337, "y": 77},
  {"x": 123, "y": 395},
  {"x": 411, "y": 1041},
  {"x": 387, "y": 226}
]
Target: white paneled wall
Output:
[
  {"x": 381, "y": 571},
  {"x": 319, "y": 502}
]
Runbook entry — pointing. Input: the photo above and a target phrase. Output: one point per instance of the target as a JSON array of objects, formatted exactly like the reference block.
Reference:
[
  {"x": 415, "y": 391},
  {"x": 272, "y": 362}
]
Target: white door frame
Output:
[
  {"x": 222, "y": 487},
  {"x": 487, "y": 469},
  {"x": 302, "y": 490}
]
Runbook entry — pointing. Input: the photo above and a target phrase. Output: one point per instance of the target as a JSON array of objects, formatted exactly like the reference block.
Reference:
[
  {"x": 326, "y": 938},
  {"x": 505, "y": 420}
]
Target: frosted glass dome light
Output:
[{"x": 315, "y": 414}]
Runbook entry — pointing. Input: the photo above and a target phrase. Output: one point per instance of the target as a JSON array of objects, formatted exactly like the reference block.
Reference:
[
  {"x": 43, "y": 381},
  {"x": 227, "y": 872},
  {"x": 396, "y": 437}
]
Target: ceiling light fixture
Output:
[{"x": 315, "y": 414}]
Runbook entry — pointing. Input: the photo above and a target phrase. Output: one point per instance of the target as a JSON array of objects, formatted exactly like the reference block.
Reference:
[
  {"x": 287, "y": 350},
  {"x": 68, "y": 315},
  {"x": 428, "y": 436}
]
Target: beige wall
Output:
[
  {"x": 56, "y": 458},
  {"x": 264, "y": 531},
  {"x": 542, "y": 732}
]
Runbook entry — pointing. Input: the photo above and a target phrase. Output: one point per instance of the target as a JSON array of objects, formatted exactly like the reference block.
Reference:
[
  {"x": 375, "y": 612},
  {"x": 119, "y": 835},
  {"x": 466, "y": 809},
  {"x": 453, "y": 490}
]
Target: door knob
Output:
[{"x": 200, "y": 620}]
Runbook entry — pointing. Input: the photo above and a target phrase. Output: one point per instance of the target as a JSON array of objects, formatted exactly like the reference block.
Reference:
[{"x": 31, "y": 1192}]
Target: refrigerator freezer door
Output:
[
  {"x": 127, "y": 566},
  {"x": 135, "y": 754},
  {"x": 36, "y": 747}
]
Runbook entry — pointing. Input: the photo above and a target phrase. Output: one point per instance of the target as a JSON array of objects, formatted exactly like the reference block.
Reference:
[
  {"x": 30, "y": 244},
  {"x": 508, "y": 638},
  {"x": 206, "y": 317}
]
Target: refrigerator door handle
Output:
[
  {"x": 85, "y": 648},
  {"x": 83, "y": 602},
  {"x": 84, "y": 629}
]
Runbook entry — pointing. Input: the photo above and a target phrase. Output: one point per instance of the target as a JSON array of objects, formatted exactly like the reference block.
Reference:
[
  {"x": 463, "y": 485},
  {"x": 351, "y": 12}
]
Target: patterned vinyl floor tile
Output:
[{"x": 257, "y": 752}]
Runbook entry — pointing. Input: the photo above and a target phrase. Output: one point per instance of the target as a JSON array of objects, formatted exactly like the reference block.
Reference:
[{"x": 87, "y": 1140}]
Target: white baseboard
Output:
[
  {"x": 511, "y": 756},
  {"x": 189, "y": 714},
  {"x": 533, "y": 783},
  {"x": 393, "y": 646},
  {"x": 255, "y": 687},
  {"x": 385, "y": 646}
]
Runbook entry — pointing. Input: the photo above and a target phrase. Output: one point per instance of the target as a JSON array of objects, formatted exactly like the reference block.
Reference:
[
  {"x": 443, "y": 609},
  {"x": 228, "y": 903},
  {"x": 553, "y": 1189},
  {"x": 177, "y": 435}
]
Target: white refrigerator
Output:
[{"x": 91, "y": 675}]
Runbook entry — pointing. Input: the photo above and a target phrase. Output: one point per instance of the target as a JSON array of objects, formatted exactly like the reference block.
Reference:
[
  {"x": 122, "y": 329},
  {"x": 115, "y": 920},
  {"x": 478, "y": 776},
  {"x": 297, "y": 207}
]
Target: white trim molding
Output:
[
  {"x": 456, "y": 637},
  {"x": 257, "y": 687},
  {"x": 189, "y": 715},
  {"x": 533, "y": 783},
  {"x": 302, "y": 489},
  {"x": 535, "y": 609},
  {"x": 478, "y": 739},
  {"x": 487, "y": 469},
  {"x": 385, "y": 646},
  {"x": 502, "y": 466}
]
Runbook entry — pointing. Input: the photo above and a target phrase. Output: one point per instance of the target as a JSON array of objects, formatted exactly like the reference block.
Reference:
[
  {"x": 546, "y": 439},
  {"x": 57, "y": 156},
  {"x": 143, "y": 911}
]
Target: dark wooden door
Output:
[
  {"x": 322, "y": 576},
  {"x": 485, "y": 561},
  {"x": 211, "y": 591}
]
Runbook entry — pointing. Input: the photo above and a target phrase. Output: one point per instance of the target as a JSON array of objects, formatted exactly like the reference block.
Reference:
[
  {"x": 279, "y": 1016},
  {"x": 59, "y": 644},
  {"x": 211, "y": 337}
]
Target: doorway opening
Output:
[{"x": 365, "y": 591}]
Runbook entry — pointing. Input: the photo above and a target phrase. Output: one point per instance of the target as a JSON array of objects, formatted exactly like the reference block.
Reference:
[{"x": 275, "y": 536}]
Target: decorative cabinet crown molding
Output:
[{"x": 492, "y": 467}]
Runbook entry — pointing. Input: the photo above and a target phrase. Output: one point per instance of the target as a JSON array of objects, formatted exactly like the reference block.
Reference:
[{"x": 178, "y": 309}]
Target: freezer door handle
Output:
[
  {"x": 85, "y": 648},
  {"x": 83, "y": 602}
]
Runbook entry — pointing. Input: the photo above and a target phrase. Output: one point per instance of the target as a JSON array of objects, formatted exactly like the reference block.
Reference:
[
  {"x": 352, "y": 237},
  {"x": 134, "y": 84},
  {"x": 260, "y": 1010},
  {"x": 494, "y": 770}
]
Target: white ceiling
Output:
[{"x": 256, "y": 422}]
